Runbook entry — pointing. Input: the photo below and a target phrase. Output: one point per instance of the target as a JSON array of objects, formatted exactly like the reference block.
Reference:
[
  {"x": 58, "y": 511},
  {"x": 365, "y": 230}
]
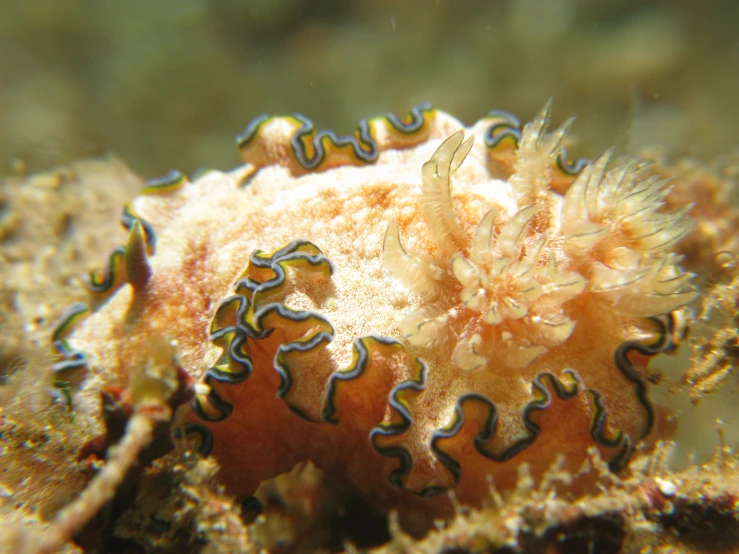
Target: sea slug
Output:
[{"x": 415, "y": 308}]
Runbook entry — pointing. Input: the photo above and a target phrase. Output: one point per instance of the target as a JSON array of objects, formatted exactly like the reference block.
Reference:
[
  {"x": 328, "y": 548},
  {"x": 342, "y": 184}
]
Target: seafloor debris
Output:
[
  {"x": 651, "y": 509},
  {"x": 53, "y": 226},
  {"x": 715, "y": 339},
  {"x": 138, "y": 430}
]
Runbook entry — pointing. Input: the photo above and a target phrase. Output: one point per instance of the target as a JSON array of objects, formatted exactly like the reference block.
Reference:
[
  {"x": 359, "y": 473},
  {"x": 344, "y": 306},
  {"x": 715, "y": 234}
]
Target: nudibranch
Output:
[{"x": 415, "y": 308}]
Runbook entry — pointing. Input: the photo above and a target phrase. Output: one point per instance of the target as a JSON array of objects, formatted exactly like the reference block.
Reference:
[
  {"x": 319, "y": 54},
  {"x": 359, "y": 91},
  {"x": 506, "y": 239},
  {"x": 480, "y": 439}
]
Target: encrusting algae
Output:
[{"x": 407, "y": 308}]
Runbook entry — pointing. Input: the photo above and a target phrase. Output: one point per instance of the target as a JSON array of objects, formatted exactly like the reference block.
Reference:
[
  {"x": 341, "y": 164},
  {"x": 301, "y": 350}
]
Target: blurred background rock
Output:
[{"x": 170, "y": 83}]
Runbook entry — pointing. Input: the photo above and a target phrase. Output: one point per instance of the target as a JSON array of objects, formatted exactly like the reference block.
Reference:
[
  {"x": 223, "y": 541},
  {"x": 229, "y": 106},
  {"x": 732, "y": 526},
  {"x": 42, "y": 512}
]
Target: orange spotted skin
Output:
[{"x": 411, "y": 311}]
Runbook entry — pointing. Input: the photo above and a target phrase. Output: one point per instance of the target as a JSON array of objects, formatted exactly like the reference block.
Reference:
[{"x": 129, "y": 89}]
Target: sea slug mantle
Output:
[{"x": 414, "y": 308}]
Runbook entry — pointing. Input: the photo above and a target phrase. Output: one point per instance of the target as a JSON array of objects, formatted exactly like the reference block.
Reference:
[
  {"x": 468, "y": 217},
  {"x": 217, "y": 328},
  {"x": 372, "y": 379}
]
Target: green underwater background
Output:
[{"x": 159, "y": 82}]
